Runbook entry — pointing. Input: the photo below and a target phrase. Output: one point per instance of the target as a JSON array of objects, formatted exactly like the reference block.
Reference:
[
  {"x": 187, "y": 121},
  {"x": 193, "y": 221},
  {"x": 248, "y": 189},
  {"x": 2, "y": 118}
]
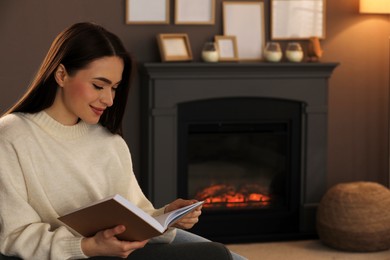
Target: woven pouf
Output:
[{"x": 355, "y": 217}]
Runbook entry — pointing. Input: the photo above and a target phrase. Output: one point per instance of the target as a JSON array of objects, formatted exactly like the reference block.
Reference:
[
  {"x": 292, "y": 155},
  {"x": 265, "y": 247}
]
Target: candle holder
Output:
[
  {"x": 273, "y": 52},
  {"x": 294, "y": 52},
  {"x": 210, "y": 52}
]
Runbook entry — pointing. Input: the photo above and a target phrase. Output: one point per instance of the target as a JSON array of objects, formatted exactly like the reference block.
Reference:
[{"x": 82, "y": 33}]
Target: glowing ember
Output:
[{"x": 223, "y": 195}]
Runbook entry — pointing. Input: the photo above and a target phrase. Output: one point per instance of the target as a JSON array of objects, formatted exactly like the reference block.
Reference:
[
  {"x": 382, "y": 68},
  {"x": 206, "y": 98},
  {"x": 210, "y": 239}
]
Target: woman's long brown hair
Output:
[{"x": 75, "y": 48}]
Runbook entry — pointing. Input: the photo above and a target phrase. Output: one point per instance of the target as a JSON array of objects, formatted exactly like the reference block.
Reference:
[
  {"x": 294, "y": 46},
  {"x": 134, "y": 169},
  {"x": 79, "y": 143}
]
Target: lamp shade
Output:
[{"x": 375, "y": 6}]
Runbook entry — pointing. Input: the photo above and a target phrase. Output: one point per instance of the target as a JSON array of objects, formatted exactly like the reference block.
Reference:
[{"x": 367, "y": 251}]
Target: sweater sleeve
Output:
[{"x": 22, "y": 232}]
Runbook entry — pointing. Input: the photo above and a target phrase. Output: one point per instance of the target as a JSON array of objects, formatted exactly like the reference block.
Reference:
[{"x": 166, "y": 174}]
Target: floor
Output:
[{"x": 301, "y": 250}]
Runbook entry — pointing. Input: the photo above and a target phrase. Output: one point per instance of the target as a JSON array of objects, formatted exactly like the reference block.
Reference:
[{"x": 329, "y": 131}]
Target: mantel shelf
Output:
[{"x": 239, "y": 69}]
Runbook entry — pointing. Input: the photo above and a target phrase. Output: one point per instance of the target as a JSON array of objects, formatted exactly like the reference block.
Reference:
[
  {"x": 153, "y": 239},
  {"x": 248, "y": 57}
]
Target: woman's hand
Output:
[
  {"x": 190, "y": 219},
  {"x": 105, "y": 243}
]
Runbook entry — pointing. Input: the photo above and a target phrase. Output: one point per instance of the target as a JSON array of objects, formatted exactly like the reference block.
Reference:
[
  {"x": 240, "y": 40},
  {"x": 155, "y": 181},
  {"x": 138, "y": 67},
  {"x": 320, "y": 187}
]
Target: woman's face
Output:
[{"x": 86, "y": 94}]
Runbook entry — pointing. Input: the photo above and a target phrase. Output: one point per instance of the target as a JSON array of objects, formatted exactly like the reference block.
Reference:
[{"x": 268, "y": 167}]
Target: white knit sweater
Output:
[{"x": 47, "y": 169}]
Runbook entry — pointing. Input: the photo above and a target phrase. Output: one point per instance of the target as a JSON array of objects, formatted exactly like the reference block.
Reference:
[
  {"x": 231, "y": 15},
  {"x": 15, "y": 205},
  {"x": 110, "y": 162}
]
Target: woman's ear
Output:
[{"x": 60, "y": 75}]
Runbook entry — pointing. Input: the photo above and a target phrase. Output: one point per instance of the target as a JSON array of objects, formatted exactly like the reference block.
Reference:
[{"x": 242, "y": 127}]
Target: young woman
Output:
[{"x": 61, "y": 148}]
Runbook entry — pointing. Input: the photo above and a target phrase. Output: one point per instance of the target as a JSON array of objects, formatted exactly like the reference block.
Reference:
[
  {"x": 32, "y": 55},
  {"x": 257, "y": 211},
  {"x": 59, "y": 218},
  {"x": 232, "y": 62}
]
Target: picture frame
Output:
[
  {"x": 147, "y": 11},
  {"x": 297, "y": 19},
  {"x": 174, "y": 47},
  {"x": 245, "y": 20},
  {"x": 227, "y": 47},
  {"x": 199, "y": 12}
]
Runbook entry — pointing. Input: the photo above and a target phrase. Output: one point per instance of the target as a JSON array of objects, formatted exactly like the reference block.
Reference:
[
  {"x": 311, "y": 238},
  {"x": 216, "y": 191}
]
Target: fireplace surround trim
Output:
[{"x": 165, "y": 85}]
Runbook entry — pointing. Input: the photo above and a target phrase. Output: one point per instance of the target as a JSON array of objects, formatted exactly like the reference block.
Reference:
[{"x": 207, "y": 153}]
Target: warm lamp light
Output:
[{"x": 375, "y": 6}]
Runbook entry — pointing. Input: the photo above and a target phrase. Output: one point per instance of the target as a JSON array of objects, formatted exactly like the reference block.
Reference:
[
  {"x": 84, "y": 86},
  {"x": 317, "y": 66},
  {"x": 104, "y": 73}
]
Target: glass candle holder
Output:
[
  {"x": 210, "y": 52},
  {"x": 273, "y": 52},
  {"x": 294, "y": 52}
]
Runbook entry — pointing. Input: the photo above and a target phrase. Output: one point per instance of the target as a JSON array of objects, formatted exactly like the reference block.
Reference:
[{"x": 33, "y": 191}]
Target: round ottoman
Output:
[{"x": 355, "y": 217}]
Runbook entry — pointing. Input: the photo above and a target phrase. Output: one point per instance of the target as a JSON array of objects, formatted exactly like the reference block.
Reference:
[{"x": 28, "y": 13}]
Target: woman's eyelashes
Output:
[
  {"x": 97, "y": 86},
  {"x": 114, "y": 88}
]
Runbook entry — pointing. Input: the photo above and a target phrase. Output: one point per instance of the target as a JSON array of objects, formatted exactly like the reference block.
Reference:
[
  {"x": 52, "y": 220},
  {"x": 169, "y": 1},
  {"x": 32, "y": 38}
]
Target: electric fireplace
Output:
[
  {"x": 242, "y": 157},
  {"x": 248, "y": 139}
]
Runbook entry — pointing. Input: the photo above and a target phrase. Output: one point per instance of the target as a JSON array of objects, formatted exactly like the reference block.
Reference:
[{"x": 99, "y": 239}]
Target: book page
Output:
[
  {"x": 139, "y": 212},
  {"x": 172, "y": 217}
]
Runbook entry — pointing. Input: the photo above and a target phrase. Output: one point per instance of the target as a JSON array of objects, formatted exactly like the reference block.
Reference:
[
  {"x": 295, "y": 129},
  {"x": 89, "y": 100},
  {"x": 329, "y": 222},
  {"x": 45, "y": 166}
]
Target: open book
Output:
[{"x": 116, "y": 210}]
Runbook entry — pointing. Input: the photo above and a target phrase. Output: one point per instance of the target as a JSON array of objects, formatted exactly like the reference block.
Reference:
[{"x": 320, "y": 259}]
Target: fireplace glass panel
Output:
[{"x": 238, "y": 166}]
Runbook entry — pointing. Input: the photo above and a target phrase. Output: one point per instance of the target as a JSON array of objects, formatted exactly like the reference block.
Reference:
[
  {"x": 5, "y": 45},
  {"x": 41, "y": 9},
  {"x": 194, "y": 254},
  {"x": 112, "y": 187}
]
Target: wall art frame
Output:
[
  {"x": 227, "y": 47},
  {"x": 147, "y": 12},
  {"x": 297, "y": 19},
  {"x": 174, "y": 47},
  {"x": 245, "y": 20},
  {"x": 199, "y": 12}
]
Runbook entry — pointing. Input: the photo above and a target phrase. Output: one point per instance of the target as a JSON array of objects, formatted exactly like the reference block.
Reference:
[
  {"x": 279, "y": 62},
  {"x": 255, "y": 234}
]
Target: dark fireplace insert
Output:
[{"x": 242, "y": 156}]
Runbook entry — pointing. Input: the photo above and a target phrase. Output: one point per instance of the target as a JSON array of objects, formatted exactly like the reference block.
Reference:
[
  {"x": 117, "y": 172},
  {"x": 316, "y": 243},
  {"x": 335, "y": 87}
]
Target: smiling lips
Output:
[{"x": 98, "y": 111}]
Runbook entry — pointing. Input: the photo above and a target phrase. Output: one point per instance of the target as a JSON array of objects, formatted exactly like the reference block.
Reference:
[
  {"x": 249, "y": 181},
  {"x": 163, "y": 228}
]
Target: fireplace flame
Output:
[{"x": 228, "y": 196}]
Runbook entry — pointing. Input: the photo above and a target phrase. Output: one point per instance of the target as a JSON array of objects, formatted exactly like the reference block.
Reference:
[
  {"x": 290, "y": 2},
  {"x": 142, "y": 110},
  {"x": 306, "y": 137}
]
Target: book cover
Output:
[{"x": 116, "y": 210}]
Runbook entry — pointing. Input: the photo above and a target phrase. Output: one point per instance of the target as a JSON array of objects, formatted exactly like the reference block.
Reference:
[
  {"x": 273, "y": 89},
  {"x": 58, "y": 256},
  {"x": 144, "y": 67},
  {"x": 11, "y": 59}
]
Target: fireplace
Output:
[
  {"x": 244, "y": 163},
  {"x": 249, "y": 139}
]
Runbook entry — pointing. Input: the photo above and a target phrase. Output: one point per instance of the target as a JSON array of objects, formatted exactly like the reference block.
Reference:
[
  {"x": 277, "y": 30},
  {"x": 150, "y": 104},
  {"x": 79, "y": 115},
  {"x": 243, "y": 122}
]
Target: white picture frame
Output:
[
  {"x": 227, "y": 47},
  {"x": 147, "y": 11},
  {"x": 245, "y": 21},
  {"x": 297, "y": 19},
  {"x": 199, "y": 12}
]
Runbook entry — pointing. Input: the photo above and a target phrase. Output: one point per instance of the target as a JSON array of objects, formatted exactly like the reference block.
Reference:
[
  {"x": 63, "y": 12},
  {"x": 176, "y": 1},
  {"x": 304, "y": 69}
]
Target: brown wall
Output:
[{"x": 359, "y": 88}]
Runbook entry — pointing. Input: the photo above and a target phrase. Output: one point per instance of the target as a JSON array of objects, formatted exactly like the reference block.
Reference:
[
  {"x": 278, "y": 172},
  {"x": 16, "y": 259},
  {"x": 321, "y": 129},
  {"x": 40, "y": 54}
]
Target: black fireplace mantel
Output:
[
  {"x": 238, "y": 70},
  {"x": 165, "y": 85}
]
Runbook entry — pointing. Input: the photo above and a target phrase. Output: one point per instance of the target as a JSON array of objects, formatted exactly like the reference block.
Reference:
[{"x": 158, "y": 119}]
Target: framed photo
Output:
[
  {"x": 147, "y": 11},
  {"x": 297, "y": 19},
  {"x": 195, "y": 12},
  {"x": 245, "y": 20},
  {"x": 227, "y": 47},
  {"x": 174, "y": 47}
]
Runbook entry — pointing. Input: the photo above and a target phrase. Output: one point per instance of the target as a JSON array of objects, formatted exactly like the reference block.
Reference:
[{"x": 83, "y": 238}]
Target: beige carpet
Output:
[{"x": 301, "y": 250}]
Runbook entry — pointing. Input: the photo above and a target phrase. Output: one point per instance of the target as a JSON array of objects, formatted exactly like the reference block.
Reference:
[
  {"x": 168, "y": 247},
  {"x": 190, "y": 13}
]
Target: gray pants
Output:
[{"x": 183, "y": 236}]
